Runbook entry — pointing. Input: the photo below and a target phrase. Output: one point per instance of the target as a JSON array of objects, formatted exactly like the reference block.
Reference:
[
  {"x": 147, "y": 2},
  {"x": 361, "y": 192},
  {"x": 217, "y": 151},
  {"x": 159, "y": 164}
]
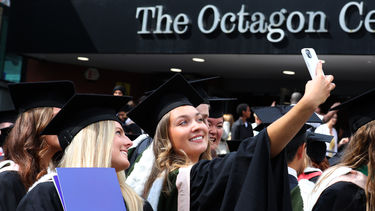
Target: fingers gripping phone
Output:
[{"x": 311, "y": 60}]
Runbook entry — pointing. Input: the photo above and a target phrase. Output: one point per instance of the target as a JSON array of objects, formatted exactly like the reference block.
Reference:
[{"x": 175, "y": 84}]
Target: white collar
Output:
[{"x": 292, "y": 172}]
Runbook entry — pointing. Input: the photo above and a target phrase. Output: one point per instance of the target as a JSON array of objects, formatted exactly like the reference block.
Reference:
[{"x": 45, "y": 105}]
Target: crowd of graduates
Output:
[{"x": 166, "y": 150}]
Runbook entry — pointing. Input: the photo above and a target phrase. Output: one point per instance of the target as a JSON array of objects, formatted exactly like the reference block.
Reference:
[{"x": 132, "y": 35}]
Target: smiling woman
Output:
[
  {"x": 184, "y": 177},
  {"x": 91, "y": 136}
]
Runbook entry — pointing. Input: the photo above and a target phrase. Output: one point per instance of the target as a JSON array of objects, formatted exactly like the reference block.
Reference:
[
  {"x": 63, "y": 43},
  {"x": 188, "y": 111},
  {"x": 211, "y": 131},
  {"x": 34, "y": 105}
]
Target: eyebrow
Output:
[{"x": 186, "y": 116}]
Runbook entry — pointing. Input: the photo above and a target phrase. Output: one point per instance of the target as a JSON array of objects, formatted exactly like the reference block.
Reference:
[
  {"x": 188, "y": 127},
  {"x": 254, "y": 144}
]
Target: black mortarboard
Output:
[
  {"x": 8, "y": 116},
  {"x": 81, "y": 111},
  {"x": 172, "y": 94},
  {"x": 121, "y": 88},
  {"x": 218, "y": 106},
  {"x": 359, "y": 110},
  {"x": 30, "y": 95},
  {"x": 201, "y": 86},
  {"x": 270, "y": 114},
  {"x": 316, "y": 147}
]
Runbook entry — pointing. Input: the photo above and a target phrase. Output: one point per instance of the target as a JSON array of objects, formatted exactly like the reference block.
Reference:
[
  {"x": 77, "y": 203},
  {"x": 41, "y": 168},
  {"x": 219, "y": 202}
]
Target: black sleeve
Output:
[
  {"x": 244, "y": 180},
  {"x": 11, "y": 190},
  {"x": 42, "y": 197},
  {"x": 342, "y": 196},
  {"x": 235, "y": 132},
  {"x": 147, "y": 206}
]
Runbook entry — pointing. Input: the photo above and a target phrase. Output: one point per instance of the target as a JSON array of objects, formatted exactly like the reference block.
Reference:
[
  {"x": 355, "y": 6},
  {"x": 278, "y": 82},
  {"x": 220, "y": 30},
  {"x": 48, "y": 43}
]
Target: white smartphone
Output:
[{"x": 311, "y": 60}]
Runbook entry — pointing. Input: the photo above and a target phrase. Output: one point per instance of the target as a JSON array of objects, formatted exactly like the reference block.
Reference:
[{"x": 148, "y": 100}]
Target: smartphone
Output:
[{"x": 311, "y": 60}]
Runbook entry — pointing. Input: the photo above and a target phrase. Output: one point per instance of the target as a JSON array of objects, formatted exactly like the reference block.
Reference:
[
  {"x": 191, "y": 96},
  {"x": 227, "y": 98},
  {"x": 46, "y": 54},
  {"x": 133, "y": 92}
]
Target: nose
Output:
[
  {"x": 128, "y": 142},
  {"x": 199, "y": 126}
]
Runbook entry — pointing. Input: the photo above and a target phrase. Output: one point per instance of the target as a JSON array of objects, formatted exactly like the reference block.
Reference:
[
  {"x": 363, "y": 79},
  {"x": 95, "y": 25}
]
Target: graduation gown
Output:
[
  {"x": 11, "y": 190},
  {"x": 44, "y": 197},
  {"x": 244, "y": 180},
  {"x": 342, "y": 196}
]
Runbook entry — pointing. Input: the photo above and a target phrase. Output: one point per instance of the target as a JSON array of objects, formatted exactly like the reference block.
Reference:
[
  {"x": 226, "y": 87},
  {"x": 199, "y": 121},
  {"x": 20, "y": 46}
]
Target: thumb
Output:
[{"x": 319, "y": 69}]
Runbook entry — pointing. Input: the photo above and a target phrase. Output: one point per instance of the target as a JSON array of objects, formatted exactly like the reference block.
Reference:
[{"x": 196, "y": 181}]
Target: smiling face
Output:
[
  {"x": 121, "y": 144},
  {"x": 188, "y": 132},
  {"x": 215, "y": 129}
]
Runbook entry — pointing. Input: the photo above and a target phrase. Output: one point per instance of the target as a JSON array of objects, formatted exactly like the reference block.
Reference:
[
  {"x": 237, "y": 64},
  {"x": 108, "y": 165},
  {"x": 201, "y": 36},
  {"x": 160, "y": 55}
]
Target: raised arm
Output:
[{"x": 284, "y": 129}]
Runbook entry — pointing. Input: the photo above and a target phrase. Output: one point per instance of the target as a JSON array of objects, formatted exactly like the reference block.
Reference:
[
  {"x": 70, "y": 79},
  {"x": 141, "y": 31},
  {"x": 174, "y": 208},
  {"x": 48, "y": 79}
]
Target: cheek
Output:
[
  {"x": 219, "y": 132},
  {"x": 53, "y": 141}
]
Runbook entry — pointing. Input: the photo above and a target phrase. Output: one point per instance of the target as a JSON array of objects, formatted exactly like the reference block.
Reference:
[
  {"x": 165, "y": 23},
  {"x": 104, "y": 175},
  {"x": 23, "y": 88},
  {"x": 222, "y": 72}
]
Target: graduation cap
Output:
[
  {"x": 270, "y": 114},
  {"x": 218, "y": 106},
  {"x": 81, "y": 111},
  {"x": 8, "y": 116},
  {"x": 360, "y": 110},
  {"x": 200, "y": 86},
  {"x": 30, "y": 95},
  {"x": 172, "y": 94},
  {"x": 316, "y": 147}
]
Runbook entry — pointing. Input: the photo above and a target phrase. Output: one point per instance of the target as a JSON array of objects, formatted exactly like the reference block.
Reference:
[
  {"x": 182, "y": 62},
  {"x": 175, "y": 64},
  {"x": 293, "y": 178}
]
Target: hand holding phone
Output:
[{"x": 311, "y": 60}]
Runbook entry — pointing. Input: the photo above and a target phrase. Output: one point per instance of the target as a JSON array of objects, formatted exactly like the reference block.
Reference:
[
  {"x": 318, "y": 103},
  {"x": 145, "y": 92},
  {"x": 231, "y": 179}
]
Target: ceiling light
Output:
[
  {"x": 198, "y": 60},
  {"x": 177, "y": 70},
  {"x": 81, "y": 58},
  {"x": 288, "y": 72}
]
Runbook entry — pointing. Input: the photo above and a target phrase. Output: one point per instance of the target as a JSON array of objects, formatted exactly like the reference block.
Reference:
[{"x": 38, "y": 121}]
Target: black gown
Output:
[
  {"x": 11, "y": 190},
  {"x": 44, "y": 197},
  {"x": 342, "y": 196},
  {"x": 244, "y": 180}
]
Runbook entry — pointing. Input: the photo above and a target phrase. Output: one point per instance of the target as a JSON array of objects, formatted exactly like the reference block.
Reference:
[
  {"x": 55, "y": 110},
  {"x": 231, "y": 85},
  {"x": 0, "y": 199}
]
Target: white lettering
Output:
[
  {"x": 342, "y": 16},
  {"x": 145, "y": 11},
  {"x": 300, "y": 19},
  {"x": 201, "y": 23},
  {"x": 180, "y": 23},
  {"x": 369, "y": 21},
  {"x": 224, "y": 25},
  {"x": 322, "y": 23}
]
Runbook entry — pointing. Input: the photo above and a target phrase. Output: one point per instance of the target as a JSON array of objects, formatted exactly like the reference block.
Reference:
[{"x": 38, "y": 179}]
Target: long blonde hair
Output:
[
  {"x": 359, "y": 152},
  {"x": 92, "y": 147},
  {"x": 166, "y": 158}
]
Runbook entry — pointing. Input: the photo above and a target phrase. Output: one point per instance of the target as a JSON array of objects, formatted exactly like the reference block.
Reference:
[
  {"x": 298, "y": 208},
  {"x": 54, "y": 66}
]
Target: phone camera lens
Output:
[{"x": 308, "y": 53}]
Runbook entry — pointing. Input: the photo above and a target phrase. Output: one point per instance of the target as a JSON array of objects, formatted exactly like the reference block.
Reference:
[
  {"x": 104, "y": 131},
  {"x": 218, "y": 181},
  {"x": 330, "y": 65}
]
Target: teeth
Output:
[
  {"x": 123, "y": 152},
  {"x": 197, "y": 138}
]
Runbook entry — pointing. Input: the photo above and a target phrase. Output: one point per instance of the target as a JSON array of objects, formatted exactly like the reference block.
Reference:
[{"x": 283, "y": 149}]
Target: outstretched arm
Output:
[{"x": 284, "y": 129}]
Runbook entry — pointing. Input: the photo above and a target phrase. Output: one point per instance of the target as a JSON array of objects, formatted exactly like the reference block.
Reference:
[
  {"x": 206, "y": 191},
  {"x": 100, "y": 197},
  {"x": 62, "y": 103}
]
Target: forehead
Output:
[
  {"x": 215, "y": 120},
  {"x": 117, "y": 124},
  {"x": 183, "y": 111},
  {"x": 203, "y": 109}
]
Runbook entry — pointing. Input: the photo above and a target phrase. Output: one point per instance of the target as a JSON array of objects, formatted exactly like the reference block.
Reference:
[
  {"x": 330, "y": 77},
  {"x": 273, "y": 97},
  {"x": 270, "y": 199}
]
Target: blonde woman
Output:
[
  {"x": 183, "y": 176},
  {"x": 91, "y": 136}
]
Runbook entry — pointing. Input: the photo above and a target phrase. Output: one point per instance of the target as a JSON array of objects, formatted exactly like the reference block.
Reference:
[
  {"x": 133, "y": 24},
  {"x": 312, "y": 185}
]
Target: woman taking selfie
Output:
[
  {"x": 91, "y": 136},
  {"x": 183, "y": 176}
]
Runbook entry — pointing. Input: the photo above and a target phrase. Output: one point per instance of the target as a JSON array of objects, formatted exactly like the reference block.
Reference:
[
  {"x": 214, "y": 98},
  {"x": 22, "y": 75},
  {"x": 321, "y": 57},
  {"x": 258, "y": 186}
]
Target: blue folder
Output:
[{"x": 94, "y": 189}]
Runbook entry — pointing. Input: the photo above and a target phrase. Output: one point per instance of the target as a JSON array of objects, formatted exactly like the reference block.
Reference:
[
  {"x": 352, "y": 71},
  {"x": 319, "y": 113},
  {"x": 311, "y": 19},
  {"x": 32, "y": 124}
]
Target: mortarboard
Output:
[
  {"x": 8, "y": 116},
  {"x": 316, "y": 147},
  {"x": 359, "y": 110},
  {"x": 30, "y": 95},
  {"x": 270, "y": 114},
  {"x": 172, "y": 94},
  {"x": 218, "y": 106},
  {"x": 82, "y": 110},
  {"x": 201, "y": 86}
]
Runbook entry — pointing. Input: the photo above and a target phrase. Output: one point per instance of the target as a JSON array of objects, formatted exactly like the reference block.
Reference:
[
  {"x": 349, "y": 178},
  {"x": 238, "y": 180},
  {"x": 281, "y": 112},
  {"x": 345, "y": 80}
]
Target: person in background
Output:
[
  {"x": 91, "y": 136},
  {"x": 241, "y": 128},
  {"x": 131, "y": 129},
  {"x": 7, "y": 119},
  {"x": 119, "y": 91},
  {"x": 329, "y": 129},
  {"x": 215, "y": 126},
  {"x": 296, "y": 96},
  {"x": 349, "y": 184},
  {"x": 28, "y": 154},
  {"x": 227, "y": 125}
]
